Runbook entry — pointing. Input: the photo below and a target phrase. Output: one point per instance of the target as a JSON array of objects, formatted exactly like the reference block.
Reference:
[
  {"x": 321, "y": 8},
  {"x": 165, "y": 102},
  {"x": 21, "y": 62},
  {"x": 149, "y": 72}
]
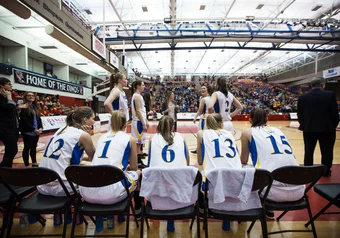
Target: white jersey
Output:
[
  {"x": 219, "y": 150},
  {"x": 163, "y": 155},
  {"x": 270, "y": 149},
  {"x": 62, "y": 150},
  {"x": 142, "y": 108},
  {"x": 121, "y": 103},
  {"x": 206, "y": 105},
  {"x": 112, "y": 149},
  {"x": 223, "y": 105}
]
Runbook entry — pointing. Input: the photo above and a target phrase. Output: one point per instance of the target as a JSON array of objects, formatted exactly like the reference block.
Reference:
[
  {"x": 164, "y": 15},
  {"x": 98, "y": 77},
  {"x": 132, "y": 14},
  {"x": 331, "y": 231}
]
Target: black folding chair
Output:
[
  {"x": 262, "y": 180},
  {"x": 330, "y": 192},
  {"x": 36, "y": 203},
  {"x": 295, "y": 175},
  {"x": 188, "y": 212},
  {"x": 99, "y": 176},
  {"x": 5, "y": 201}
]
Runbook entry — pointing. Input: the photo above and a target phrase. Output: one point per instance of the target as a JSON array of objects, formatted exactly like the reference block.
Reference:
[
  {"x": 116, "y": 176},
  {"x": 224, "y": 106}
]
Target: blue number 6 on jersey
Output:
[{"x": 164, "y": 154}]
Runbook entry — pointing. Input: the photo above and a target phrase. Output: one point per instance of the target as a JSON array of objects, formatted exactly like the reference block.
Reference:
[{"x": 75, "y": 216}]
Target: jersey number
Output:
[
  {"x": 217, "y": 148},
  {"x": 106, "y": 147},
  {"x": 227, "y": 106},
  {"x": 53, "y": 155},
  {"x": 164, "y": 154},
  {"x": 276, "y": 148}
]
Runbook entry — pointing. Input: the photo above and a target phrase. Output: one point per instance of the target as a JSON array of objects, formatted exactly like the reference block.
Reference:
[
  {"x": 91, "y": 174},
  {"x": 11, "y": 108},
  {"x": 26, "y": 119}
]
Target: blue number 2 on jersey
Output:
[{"x": 53, "y": 155}]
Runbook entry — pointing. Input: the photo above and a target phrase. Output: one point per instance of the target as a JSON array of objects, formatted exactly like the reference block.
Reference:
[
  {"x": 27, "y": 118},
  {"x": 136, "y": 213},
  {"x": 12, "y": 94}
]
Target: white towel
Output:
[
  {"x": 169, "y": 188},
  {"x": 230, "y": 189}
]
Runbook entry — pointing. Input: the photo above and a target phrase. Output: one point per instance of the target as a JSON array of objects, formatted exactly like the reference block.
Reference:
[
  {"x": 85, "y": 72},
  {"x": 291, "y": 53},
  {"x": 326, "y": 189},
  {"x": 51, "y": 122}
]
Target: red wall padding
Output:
[{"x": 68, "y": 101}]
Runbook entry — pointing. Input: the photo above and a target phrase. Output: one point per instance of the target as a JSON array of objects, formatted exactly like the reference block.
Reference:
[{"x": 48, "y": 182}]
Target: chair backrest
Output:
[
  {"x": 171, "y": 174},
  {"x": 299, "y": 175},
  {"x": 262, "y": 179},
  {"x": 29, "y": 177},
  {"x": 94, "y": 176}
]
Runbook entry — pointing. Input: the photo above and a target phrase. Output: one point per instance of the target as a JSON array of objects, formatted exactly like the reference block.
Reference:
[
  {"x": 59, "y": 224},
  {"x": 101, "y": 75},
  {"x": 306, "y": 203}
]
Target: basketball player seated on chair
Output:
[
  {"x": 172, "y": 148},
  {"x": 216, "y": 148},
  {"x": 118, "y": 149},
  {"x": 65, "y": 148},
  {"x": 269, "y": 149}
]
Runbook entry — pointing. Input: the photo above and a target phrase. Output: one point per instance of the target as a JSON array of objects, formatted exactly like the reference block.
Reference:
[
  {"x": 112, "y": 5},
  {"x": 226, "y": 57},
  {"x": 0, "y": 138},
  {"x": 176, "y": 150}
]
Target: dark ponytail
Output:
[
  {"x": 135, "y": 84},
  {"x": 165, "y": 127},
  {"x": 222, "y": 85}
]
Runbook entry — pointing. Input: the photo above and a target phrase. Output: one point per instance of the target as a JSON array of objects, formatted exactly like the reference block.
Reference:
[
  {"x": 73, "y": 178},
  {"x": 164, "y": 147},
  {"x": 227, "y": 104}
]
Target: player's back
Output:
[
  {"x": 63, "y": 150},
  {"x": 270, "y": 149},
  {"x": 162, "y": 154},
  {"x": 113, "y": 149},
  {"x": 219, "y": 150}
]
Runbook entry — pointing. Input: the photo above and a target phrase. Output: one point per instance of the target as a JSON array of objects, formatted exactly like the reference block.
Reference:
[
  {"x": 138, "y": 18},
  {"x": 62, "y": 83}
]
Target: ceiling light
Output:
[
  {"x": 222, "y": 50},
  {"x": 202, "y": 7},
  {"x": 88, "y": 11},
  {"x": 156, "y": 51},
  {"x": 159, "y": 61},
  {"x": 317, "y": 7},
  {"x": 48, "y": 47},
  {"x": 259, "y": 6},
  {"x": 189, "y": 51},
  {"x": 214, "y": 60},
  {"x": 145, "y": 8}
]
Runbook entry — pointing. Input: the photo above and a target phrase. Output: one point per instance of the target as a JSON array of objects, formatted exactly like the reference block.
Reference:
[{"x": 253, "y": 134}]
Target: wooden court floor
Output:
[{"x": 326, "y": 225}]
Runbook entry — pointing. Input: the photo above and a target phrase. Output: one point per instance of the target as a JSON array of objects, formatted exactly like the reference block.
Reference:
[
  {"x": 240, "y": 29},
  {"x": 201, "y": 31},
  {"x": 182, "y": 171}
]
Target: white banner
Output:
[
  {"x": 98, "y": 47},
  {"x": 293, "y": 115},
  {"x": 103, "y": 117},
  {"x": 53, "y": 122},
  {"x": 330, "y": 73},
  {"x": 186, "y": 116},
  {"x": 114, "y": 60}
]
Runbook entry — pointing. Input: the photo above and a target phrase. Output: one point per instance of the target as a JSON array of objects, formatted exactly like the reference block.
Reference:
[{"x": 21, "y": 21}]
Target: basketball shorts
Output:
[{"x": 137, "y": 132}]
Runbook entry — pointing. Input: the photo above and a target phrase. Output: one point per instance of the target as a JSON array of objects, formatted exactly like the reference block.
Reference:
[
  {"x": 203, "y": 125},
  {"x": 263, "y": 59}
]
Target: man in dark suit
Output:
[{"x": 318, "y": 117}]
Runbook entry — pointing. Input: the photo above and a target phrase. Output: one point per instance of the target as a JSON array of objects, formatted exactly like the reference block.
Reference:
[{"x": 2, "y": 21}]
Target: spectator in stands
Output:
[
  {"x": 9, "y": 132},
  {"x": 30, "y": 125},
  {"x": 318, "y": 117},
  {"x": 170, "y": 108}
]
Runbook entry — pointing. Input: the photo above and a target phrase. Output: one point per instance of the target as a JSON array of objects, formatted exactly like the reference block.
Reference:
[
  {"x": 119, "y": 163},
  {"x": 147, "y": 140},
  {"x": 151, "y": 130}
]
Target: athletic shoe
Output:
[
  {"x": 121, "y": 218},
  {"x": 226, "y": 225},
  {"x": 194, "y": 151},
  {"x": 99, "y": 224},
  {"x": 57, "y": 219},
  {"x": 24, "y": 220},
  {"x": 170, "y": 227},
  {"x": 110, "y": 222},
  {"x": 138, "y": 214},
  {"x": 270, "y": 214}
]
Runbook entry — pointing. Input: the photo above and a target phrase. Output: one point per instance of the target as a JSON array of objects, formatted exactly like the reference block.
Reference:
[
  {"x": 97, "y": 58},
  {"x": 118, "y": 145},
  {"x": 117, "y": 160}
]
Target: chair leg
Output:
[
  {"x": 128, "y": 223},
  {"x": 41, "y": 218},
  {"x": 93, "y": 220},
  {"x": 192, "y": 223},
  {"x": 4, "y": 221},
  {"x": 282, "y": 214},
  {"x": 251, "y": 226},
  {"x": 134, "y": 215},
  {"x": 10, "y": 217},
  {"x": 264, "y": 226},
  {"x": 310, "y": 218},
  {"x": 65, "y": 217},
  {"x": 76, "y": 209},
  {"x": 147, "y": 223},
  {"x": 142, "y": 226},
  {"x": 319, "y": 213},
  {"x": 205, "y": 222},
  {"x": 84, "y": 219},
  {"x": 198, "y": 226}
]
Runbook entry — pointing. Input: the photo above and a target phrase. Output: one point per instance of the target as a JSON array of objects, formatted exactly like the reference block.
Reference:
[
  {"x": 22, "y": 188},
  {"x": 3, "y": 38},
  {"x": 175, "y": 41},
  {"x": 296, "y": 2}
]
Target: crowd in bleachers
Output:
[
  {"x": 49, "y": 104},
  {"x": 274, "y": 98}
]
